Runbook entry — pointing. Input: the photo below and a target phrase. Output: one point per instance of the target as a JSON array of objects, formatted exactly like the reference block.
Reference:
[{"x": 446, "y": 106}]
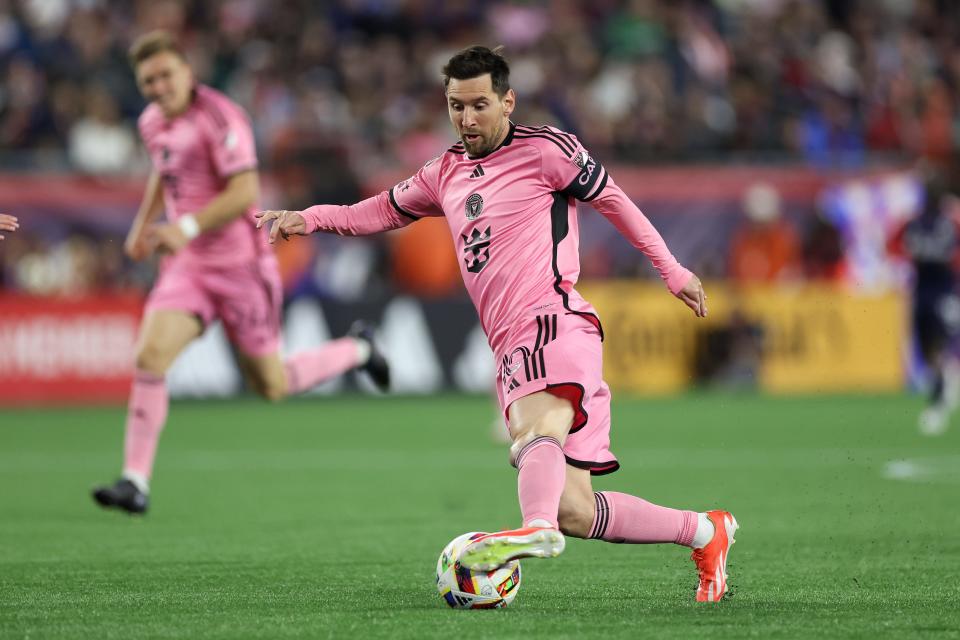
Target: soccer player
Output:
[
  {"x": 508, "y": 193},
  {"x": 932, "y": 242},
  {"x": 215, "y": 264},
  {"x": 8, "y": 223}
]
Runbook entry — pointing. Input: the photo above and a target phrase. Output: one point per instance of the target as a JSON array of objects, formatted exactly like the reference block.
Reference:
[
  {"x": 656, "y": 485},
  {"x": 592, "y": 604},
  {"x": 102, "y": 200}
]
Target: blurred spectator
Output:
[
  {"x": 99, "y": 142},
  {"x": 823, "y": 251},
  {"x": 728, "y": 355},
  {"x": 813, "y": 80},
  {"x": 422, "y": 260},
  {"x": 765, "y": 247}
]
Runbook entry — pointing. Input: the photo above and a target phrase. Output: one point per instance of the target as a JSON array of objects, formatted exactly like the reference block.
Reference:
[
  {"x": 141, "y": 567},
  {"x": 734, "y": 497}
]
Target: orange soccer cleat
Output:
[
  {"x": 497, "y": 549},
  {"x": 711, "y": 560}
]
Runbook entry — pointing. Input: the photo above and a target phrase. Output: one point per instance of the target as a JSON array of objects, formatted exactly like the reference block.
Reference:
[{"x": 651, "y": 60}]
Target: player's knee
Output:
[
  {"x": 153, "y": 359},
  {"x": 576, "y": 515},
  {"x": 524, "y": 439},
  {"x": 555, "y": 423}
]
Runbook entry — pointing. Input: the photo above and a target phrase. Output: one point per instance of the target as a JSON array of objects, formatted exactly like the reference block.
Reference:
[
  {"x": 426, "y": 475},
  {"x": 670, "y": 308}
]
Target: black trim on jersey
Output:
[
  {"x": 400, "y": 209},
  {"x": 559, "y": 227},
  {"x": 506, "y": 141},
  {"x": 562, "y": 148},
  {"x": 564, "y": 138},
  {"x": 457, "y": 148}
]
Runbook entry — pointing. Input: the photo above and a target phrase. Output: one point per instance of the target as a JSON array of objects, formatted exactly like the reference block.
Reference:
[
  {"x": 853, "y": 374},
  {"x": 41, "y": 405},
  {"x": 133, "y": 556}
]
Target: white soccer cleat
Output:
[{"x": 497, "y": 549}]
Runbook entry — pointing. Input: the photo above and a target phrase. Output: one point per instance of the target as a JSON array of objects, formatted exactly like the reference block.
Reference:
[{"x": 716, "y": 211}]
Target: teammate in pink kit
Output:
[
  {"x": 215, "y": 264},
  {"x": 508, "y": 193}
]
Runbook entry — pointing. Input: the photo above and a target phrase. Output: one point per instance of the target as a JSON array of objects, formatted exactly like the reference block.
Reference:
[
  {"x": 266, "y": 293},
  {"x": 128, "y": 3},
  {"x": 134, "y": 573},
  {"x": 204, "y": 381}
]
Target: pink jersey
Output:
[
  {"x": 513, "y": 218},
  {"x": 195, "y": 154}
]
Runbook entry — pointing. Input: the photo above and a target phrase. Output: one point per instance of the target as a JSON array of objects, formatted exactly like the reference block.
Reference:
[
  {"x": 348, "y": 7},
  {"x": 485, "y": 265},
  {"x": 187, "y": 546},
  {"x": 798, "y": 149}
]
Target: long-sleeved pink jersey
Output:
[{"x": 513, "y": 218}]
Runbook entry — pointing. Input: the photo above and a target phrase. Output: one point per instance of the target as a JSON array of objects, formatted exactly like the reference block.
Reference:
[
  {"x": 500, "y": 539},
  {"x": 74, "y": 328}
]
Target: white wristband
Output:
[{"x": 189, "y": 226}]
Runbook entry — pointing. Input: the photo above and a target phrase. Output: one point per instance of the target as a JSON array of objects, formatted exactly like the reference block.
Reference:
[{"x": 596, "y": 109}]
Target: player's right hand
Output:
[
  {"x": 136, "y": 247},
  {"x": 285, "y": 224}
]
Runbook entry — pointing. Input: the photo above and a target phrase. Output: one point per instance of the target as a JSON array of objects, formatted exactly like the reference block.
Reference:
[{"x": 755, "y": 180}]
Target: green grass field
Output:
[{"x": 324, "y": 518}]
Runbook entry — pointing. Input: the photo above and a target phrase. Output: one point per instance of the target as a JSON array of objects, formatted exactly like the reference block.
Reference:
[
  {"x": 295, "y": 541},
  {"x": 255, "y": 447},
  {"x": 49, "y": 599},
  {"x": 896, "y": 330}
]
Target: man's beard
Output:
[
  {"x": 483, "y": 145},
  {"x": 476, "y": 149}
]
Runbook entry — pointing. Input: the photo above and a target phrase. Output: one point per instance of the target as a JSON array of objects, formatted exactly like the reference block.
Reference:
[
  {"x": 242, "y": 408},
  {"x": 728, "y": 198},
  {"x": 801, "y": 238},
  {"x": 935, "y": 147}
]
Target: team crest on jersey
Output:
[{"x": 474, "y": 206}]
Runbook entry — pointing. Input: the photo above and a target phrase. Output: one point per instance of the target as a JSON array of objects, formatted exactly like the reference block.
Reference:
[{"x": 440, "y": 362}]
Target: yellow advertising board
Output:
[{"x": 810, "y": 338}]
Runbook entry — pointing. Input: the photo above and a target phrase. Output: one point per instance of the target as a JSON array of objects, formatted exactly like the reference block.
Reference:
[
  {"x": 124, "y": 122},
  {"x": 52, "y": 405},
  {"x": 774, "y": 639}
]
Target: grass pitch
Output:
[{"x": 324, "y": 518}]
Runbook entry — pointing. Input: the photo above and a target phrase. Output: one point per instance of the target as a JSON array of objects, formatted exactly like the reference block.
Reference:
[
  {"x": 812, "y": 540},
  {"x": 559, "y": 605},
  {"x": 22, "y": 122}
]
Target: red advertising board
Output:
[{"x": 61, "y": 350}]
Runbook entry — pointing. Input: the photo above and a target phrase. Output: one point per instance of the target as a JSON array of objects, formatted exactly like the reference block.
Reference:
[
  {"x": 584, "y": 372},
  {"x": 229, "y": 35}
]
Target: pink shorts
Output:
[
  {"x": 247, "y": 298},
  {"x": 561, "y": 353}
]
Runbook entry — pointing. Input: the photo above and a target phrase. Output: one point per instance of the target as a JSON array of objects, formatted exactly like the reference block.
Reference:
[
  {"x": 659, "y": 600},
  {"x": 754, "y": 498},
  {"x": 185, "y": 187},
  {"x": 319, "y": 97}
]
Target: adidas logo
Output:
[{"x": 477, "y": 172}]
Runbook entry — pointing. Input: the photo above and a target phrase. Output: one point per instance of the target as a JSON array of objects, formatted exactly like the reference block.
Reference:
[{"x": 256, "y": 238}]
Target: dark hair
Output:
[
  {"x": 475, "y": 61},
  {"x": 150, "y": 44}
]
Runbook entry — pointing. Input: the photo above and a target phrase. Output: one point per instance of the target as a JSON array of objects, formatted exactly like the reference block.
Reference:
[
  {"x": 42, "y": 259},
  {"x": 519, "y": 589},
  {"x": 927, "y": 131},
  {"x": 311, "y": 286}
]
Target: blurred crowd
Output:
[
  {"x": 342, "y": 90},
  {"x": 638, "y": 80}
]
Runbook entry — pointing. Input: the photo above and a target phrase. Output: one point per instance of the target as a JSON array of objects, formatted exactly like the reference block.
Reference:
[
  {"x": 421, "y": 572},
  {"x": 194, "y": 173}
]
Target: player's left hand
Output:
[
  {"x": 694, "y": 297},
  {"x": 8, "y": 223},
  {"x": 167, "y": 238}
]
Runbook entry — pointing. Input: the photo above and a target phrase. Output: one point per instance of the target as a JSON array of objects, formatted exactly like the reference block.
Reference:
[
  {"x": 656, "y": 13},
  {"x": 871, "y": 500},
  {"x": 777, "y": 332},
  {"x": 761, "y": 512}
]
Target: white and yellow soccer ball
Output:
[{"x": 462, "y": 588}]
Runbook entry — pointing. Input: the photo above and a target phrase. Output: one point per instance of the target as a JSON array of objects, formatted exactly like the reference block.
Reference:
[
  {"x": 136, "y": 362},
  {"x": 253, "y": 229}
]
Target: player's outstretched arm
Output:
[
  {"x": 373, "y": 215},
  {"x": 8, "y": 223},
  {"x": 284, "y": 224},
  {"x": 614, "y": 204}
]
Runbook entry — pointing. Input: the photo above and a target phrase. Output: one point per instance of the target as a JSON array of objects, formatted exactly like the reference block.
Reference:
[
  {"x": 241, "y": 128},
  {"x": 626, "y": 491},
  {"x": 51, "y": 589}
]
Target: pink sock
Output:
[
  {"x": 307, "y": 369},
  {"x": 623, "y": 518},
  {"x": 541, "y": 478},
  {"x": 146, "y": 415}
]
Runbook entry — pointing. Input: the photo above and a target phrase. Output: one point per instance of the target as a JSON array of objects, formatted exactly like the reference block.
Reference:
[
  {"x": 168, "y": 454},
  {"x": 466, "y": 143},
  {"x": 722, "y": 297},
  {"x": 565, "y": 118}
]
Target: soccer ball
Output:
[{"x": 462, "y": 588}]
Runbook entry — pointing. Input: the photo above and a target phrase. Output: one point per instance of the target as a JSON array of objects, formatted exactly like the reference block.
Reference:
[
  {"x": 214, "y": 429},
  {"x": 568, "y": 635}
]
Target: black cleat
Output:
[
  {"x": 376, "y": 366},
  {"x": 123, "y": 495}
]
